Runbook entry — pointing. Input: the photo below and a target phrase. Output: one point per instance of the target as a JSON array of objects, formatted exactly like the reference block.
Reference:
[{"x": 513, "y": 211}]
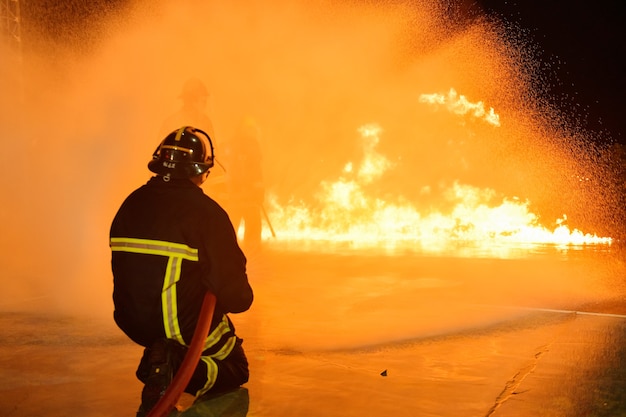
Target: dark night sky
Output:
[{"x": 583, "y": 46}]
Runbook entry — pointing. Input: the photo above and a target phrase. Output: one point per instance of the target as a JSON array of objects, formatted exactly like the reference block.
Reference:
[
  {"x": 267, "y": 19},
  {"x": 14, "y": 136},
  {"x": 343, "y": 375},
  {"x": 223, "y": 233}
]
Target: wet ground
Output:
[{"x": 344, "y": 334}]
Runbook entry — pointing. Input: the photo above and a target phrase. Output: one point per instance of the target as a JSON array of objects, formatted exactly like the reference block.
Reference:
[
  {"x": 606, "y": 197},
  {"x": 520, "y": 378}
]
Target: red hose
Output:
[{"x": 169, "y": 399}]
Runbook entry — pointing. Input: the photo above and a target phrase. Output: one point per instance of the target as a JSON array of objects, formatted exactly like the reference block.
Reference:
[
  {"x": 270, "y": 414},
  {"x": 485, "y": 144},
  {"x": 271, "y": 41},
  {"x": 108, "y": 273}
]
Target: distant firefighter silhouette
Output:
[
  {"x": 244, "y": 182},
  {"x": 193, "y": 111}
]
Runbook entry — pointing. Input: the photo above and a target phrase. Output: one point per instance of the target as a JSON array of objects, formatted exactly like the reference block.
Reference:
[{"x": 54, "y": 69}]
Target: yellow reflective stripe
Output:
[
  {"x": 177, "y": 148},
  {"x": 217, "y": 333},
  {"x": 221, "y": 354},
  {"x": 211, "y": 375},
  {"x": 168, "y": 300},
  {"x": 153, "y": 247},
  {"x": 175, "y": 252},
  {"x": 180, "y": 133}
]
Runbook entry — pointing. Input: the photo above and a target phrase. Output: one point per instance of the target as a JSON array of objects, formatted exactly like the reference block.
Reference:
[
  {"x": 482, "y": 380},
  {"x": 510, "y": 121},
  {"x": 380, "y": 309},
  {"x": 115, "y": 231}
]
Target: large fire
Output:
[{"x": 479, "y": 217}]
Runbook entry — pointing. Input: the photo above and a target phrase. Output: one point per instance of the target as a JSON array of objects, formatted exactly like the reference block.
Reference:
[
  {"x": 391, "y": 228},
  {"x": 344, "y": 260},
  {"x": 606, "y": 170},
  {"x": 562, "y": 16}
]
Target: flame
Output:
[
  {"x": 459, "y": 104},
  {"x": 345, "y": 213}
]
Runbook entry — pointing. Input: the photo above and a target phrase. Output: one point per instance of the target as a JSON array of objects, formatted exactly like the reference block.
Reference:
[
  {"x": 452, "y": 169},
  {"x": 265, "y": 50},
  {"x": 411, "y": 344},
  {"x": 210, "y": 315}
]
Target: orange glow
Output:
[
  {"x": 385, "y": 125},
  {"x": 459, "y": 104},
  {"x": 346, "y": 213}
]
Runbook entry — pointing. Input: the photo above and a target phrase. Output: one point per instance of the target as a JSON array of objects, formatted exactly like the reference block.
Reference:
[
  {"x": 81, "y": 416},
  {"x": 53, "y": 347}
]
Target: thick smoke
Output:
[{"x": 82, "y": 115}]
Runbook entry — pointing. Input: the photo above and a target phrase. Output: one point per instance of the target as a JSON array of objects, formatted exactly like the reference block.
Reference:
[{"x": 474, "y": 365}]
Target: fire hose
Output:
[{"x": 169, "y": 399}]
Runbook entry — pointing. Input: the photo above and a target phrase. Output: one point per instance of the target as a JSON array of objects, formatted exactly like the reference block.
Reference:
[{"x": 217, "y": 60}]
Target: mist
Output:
[{"x": 82, "y": 118}]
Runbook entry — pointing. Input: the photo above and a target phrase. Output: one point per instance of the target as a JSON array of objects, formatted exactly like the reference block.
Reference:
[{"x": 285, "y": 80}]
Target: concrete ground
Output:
[{"x": 339, "y": 336}]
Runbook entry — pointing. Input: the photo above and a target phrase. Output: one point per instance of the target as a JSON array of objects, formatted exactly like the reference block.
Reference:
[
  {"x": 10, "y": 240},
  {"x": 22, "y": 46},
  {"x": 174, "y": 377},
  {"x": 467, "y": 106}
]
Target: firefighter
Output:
[
  {"x": 170, "y": 244},
  {"x": 244, "y": 181},
  {"x": 194, "y": 98}
]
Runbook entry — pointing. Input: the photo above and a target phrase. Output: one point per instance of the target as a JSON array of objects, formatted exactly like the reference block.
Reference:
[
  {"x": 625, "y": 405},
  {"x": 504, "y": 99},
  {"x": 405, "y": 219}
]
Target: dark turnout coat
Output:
[{"x": 171, "y": 243}]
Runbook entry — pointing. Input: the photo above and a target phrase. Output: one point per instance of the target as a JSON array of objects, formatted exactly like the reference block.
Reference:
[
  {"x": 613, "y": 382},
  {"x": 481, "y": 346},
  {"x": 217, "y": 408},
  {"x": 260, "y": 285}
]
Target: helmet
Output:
[
  {"x": 193, "y": 88},
  {"x": 184, "y": 153}
]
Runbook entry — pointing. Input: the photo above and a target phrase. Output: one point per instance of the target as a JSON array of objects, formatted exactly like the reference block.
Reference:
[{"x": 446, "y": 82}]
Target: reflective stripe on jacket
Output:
[{"x": 171, "y": 243}]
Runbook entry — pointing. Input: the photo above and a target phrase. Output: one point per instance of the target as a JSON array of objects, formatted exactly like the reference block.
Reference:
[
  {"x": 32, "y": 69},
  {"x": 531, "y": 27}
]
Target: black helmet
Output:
[{"x": 184, "y": 153}]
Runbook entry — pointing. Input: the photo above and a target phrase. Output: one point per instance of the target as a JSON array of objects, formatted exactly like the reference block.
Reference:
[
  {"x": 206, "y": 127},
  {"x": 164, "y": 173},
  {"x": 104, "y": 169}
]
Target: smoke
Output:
[{"x": 81, "y": 116}]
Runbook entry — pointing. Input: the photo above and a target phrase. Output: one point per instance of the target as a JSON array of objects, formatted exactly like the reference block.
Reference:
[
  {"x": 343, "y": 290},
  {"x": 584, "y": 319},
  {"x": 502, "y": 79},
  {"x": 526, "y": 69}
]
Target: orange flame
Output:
[
  {"x": 345, "y": 213},
  {"x": 459, "y": 104}
]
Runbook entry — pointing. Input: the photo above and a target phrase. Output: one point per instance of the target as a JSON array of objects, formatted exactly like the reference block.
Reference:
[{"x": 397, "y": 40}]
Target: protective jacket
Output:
[{"x": 171, "y": 243}]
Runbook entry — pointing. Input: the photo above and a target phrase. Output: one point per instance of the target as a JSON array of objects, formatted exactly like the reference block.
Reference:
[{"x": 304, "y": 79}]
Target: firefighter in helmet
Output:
[
  {"x": 244, "y": 180},
  {"x": 194, "y": 98},
  {"x": 170, "y": 244}
]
